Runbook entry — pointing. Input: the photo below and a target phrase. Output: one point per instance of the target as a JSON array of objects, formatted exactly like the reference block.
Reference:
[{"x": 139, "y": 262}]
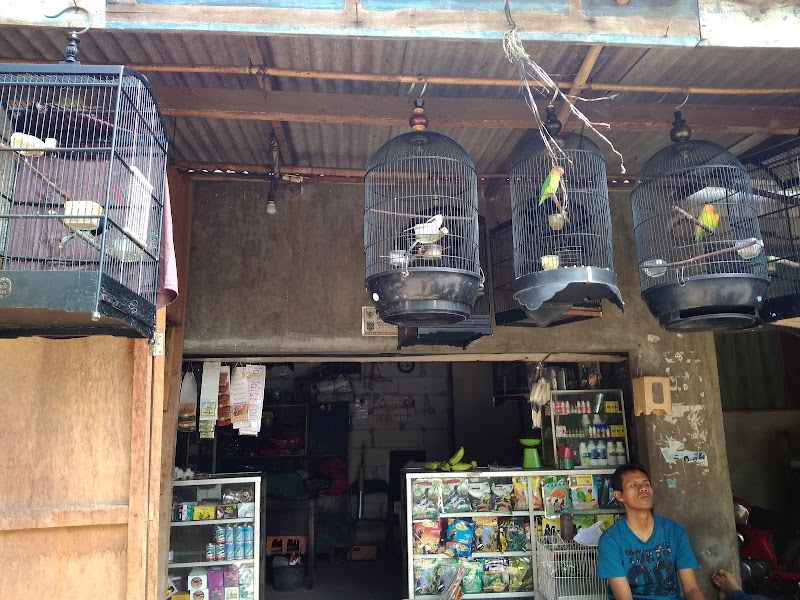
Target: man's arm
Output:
[
  {"x": 691, "y": 591},
  {"x": 622, "y": 589}
]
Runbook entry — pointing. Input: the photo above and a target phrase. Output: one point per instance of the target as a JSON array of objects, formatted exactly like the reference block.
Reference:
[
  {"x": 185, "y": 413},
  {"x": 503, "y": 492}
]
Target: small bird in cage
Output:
[
  {"x": 709, "y": 219},
  {"x": 549, "y": 189}
]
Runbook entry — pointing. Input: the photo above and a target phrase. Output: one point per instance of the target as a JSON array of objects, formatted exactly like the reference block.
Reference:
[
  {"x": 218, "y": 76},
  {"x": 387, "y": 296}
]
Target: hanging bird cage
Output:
[
  {"x": 507, "y": 311},
  {"x": 421, "y": 229},
  {"x": 82, "y": 165},
  {"x": 776, "y": 188},
  {"x": 461, "y": 334},
  {"x": 698, "y": 241},
  {"x": 563, "y": 254}
]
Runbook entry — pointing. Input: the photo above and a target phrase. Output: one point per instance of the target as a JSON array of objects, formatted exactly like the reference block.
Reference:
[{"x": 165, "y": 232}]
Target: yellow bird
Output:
[
  {"x": 550, "y": 184},
  {"x": 708, "y": 217}
]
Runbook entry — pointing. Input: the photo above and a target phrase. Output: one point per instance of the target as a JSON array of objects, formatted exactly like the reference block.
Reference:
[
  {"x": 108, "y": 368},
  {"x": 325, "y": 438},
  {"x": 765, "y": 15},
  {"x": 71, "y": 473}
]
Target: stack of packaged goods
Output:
[{"x": 229, "y": 583}]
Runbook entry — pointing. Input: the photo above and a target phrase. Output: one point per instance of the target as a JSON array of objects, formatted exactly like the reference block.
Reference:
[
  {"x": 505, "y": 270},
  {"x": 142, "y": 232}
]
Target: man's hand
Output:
[
  {"x": 622, "y": 589},
  {"x": 691, "y": 591}
]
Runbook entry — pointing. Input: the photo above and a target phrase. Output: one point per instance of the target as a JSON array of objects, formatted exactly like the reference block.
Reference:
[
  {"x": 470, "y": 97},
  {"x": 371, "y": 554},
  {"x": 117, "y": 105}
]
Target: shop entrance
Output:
[{"x": 332, "y": 461}]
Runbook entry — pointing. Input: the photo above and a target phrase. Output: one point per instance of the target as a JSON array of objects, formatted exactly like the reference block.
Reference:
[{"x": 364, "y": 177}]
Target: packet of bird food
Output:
[
  {"x": 425, "y": 576},
  {"x": 480, "y": 493},
  {"x": 519, "y": 496},
  {"x": 495, "y": 575},
  {"x": 501, "y": 497},
  {"x": 445, "y": 570},
  {"x": 607, "y": 520},
  {"x": 427, "y": 498},
  {"x": 551, "y": 526},
  {"x": 555, "y": 495},
  {"x": 455, "y": 498},
  {"x": 582, "y": 521},
  {"x": 459, "y": 538},
  {"x": 583, "y": 492},
  {"x": 472, "y": 582},
  {"x": 520, "y": 574},
  {"x": 486, "y": 532},
  {"x": 514, "y": 534},
  {"x": 427, "y": 536}
]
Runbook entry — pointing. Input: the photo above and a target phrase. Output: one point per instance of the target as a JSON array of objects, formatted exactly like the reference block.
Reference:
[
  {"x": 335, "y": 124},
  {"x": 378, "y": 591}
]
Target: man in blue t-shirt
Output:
[{"x": 645, "y": 557}]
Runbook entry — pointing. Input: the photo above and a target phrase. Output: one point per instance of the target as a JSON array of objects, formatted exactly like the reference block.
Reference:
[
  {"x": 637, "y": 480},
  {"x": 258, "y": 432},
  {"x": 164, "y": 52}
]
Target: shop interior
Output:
[{"x": 342, "y": 449}]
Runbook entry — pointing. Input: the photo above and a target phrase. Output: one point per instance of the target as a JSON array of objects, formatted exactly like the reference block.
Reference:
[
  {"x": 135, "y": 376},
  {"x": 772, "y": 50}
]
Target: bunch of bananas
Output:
[{"x": 454, "y": 463}]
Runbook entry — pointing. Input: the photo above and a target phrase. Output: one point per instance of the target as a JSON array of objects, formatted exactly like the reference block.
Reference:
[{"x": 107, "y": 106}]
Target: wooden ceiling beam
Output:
[
  {"x": 389, "y": 111},
  {"x": 579, "y": 84},
  {"x": 257, "y": 58}
]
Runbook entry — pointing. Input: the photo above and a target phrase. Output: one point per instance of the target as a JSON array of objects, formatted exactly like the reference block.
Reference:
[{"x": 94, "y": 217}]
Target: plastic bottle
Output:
[
  {"x": 591, "y": 448},
  {"x": 602, "y": 453},
  {"x": 621, "y": 456},
  {"x": 565, "y": 525},
  {"x": 583, "y": 452}
]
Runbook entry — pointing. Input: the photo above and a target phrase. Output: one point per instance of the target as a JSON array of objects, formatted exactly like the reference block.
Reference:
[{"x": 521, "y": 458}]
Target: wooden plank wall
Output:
[{"x": 88, "y": 442}]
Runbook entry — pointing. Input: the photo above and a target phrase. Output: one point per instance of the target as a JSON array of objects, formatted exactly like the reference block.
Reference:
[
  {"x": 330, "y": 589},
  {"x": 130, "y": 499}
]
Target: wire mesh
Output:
[
  {"x": 776, "y": 188},
  {"x": 694, "y": 216},
  {"x": 421, "y": 206},
  {"x": 567, "y": 571},
  {"x": 543, "y": 239},
  {"x": 82, "y": 166}
]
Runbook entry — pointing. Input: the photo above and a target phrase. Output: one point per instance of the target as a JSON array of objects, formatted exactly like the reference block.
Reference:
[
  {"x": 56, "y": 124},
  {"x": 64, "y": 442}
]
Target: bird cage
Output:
[
  {"x": 509, "y": 312},
  {"x": 461, "y": 334},
  {"x": 561, "y": 228},
  {"x": 698, "y": 241},
  {"x": 421, "y": 229},
  {"x": 82, "y": 165},
  {"x": 776, "y": 188}
]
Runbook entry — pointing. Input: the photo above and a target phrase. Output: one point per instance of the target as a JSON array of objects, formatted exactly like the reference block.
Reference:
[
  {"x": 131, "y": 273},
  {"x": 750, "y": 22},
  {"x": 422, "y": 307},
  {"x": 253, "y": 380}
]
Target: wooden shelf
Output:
[{"x": 210, "y": 563}]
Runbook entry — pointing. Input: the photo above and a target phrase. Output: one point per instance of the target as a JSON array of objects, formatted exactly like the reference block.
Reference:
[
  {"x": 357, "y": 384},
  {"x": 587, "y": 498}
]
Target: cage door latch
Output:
[{"x": 157, "y": 344}]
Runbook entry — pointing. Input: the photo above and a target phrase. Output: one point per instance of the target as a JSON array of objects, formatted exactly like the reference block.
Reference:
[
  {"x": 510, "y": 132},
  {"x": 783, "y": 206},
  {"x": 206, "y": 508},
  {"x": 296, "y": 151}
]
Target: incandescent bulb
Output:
[{"x": 271, "y": 208}]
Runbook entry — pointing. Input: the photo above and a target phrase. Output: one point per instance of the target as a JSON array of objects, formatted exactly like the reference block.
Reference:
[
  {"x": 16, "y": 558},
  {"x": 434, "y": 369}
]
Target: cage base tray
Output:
[{"x": 61, "y": 303}]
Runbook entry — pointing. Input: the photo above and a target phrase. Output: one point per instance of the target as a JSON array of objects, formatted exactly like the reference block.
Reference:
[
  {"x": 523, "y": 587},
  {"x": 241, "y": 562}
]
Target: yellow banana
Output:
[
  {"x": 464, "y": 466},
  {"x": 456, "y": 458},
  {"x": 433, "y": 466}
]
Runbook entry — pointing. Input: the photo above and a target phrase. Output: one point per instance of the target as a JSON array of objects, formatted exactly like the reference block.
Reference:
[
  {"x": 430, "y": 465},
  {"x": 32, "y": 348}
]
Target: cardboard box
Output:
[
  {"x": 181, "y": 596},
  {"x": 216, "y": 594},
  {"x": 204, "y": 512},
  {"x": 197, "y": 579},
  {"x": 232, "y": 593},
  {"x": 651, "y": 396},
  {"x": 216, "y": 579},
  {"x": 231, "y": 578},
  {"x": 201, "y": 594},
  {"x": 226, "y": 511},
  {"x": 364, "y": 553}
]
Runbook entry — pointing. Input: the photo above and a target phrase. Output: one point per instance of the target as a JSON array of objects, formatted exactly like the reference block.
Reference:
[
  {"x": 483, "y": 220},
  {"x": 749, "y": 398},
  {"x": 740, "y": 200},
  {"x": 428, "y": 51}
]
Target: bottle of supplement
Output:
[{"x": 565, "y": 525}]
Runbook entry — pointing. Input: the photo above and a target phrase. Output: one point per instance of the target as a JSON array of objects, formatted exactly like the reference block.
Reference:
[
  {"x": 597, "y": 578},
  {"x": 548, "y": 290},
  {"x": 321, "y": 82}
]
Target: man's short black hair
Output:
[{"x": 616, "y": 478}]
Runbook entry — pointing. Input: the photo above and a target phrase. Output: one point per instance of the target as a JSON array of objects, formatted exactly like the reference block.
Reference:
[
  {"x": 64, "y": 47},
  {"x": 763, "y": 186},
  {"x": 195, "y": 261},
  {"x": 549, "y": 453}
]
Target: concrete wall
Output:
[
  {"x": 429, "y": 429},
  {"x": 293, "y": 283},
  {"x": 759, "y": 446}
]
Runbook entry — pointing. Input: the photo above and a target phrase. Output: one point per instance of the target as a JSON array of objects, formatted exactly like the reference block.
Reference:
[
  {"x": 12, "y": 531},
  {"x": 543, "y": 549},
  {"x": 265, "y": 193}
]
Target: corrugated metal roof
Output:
[{"x": 344, "y": 146}]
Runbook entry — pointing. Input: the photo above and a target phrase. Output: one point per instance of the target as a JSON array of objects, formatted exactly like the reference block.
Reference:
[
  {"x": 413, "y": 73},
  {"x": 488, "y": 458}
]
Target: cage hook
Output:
[
  {"x": 682, "y": 276},
  {"x": 424, "y": 79}
]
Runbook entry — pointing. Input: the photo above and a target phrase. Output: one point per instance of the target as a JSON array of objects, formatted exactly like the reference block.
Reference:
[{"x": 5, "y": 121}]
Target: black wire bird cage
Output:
[
  {"x": 562, "y": 237},
  {"x": 509, "y": 312},
  {"x": 698, "y": 241},
  {"x": 421, "y": 229},
  {"x": 776, "y": 188},
  {"x": 82, "y": 165},
  {"x": 460, "y": 334}
]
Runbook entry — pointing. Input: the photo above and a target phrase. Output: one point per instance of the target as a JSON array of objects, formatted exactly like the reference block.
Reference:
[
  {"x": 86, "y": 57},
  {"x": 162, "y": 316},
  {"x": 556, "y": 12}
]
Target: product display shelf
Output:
[
  {"x": 210, "y": 522},
  {"x": 601, "y": 407},
  {"x": 189, "y": 546},
  {"x": 412, "y": 474}
]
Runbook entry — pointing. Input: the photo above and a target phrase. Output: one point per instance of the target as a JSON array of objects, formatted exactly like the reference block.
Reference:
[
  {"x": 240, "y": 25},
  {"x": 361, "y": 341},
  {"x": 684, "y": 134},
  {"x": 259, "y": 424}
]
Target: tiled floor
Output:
[{"x": 343, "y": 580}]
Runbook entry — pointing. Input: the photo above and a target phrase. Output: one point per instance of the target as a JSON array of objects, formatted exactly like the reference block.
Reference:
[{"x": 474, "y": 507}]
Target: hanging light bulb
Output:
[{"x": 271, "y": 208}]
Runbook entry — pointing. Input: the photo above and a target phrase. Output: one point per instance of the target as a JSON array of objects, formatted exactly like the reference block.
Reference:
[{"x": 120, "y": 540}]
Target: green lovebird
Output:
[
  {"x": 708, "y": 217},
  {"x": 551, "y": 183}
]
